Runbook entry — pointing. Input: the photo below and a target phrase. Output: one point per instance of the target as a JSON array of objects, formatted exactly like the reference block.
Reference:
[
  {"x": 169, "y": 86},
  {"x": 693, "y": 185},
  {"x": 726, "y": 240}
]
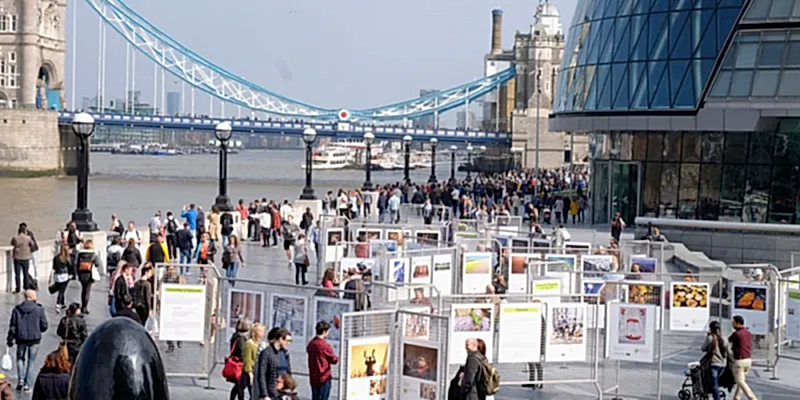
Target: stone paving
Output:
[{"x": 269, "y": 264}]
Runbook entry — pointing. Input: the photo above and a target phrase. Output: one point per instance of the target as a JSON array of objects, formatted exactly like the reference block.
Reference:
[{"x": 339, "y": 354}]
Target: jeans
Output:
[
  {"x": 186, "y": 258},
  {"x": 740, "y": 370},
  {"x": 26, "y": 357},
  {"x": 716, "y": 372},
  {"x": 245, "y": 387},
  {"x": 300, "y": 273},
  {"x": 322, "y": 392},
  {"x": 21, "y": 271},
  {"x": 225, "y": 240},
  {"x": 231, "y": 271}
]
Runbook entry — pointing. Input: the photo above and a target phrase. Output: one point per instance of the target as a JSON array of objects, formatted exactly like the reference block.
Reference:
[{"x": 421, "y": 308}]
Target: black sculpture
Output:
[{"x": 119, "y": 361}]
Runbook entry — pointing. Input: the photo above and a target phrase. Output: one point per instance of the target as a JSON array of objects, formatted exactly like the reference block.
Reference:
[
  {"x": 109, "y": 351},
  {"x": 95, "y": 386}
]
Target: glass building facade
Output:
[{"x": 693, "y": 107}]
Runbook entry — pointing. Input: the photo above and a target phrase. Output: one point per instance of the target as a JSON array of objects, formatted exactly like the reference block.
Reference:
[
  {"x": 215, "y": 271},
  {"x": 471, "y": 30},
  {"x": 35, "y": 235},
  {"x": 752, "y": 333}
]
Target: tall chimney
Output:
[{"x": 497, "y": 31}]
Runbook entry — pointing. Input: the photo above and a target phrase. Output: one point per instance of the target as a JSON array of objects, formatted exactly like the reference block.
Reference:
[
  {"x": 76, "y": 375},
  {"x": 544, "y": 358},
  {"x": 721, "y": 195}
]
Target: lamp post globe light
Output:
[
  {"x": 470, "y": 149},
  {"x": 368, "y": 139},
  {"x": 432, "y": 178},
  {"x": 453, "y": 150},
  {"x": 223, "y": 132},
  {"x": 407, "y": 162},
  {"x": 309, "y": 136},
  {"x": 83, "y": 126}
]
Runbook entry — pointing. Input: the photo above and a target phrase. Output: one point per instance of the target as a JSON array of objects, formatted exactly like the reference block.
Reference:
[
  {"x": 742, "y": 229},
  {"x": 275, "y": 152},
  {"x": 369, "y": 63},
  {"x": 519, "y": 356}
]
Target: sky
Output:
[{"x": 351, "y": 54}]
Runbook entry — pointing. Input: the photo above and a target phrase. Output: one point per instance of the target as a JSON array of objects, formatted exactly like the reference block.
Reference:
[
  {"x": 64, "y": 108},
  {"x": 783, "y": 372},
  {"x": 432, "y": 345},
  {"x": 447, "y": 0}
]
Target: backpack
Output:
[
  {"x": 85, "y": 265},
  {"x": 490, "y": 378},
  {"x": 226, "y": 220},
  {"x": 172, "y": 226},
  {"x": 112, "y": 260}
]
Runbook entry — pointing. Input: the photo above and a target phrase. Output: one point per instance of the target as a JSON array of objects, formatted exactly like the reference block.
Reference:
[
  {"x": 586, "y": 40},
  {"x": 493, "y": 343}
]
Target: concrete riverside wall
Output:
[
  {"x": 29, "y": 143},
  {"x": 732, "y": 243}
]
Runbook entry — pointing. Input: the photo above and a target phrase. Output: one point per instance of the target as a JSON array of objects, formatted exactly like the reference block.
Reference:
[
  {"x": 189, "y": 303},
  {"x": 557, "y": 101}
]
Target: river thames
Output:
[{"x": 135, "y": 186}]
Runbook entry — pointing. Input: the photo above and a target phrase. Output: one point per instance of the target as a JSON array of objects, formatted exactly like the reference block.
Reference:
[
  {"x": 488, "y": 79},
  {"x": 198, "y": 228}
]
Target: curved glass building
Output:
[{"x": 693, "y": 107}]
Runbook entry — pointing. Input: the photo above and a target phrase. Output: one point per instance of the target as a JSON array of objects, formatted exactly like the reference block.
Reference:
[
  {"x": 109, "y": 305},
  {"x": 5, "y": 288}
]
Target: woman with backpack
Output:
[
  {"x": 72, "y": 330},
  {"x": 87, "y": 271},
  {"x": 232, "y": 259}
]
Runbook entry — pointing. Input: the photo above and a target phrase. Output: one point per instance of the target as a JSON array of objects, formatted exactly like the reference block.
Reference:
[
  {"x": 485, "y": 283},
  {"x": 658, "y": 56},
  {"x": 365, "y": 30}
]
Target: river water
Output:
[{"x": 135, "y": 186}]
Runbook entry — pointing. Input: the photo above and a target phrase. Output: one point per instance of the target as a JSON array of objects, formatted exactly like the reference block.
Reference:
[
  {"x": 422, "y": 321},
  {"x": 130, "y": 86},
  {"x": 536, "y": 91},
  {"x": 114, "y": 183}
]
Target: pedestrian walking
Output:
[
  {"x": 472, "y": 372},
  {"x": 301, "y": 260},
  {"x": 53, "y": 379},
  {"x": 87, "y": 272},
  {"x": 741, "y": 346},
  {"x": 232, "y": 259},
  {"x": 22, "y": 253},
  {"x": 28, "y": 322},
  {"x": 62, "y": 269},
  {"x": 268, "y": 365},
  {"x": 72, "y": 330},
  {"x": 320, "y": 358}
]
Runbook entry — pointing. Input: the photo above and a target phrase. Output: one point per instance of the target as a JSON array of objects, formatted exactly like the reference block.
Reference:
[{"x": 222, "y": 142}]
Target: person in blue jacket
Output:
[{"x": 28, "y": 321}]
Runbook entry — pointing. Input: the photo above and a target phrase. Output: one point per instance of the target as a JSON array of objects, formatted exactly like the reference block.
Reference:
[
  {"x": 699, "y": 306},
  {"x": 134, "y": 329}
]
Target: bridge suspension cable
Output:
[{"x": 208, "y": 77}]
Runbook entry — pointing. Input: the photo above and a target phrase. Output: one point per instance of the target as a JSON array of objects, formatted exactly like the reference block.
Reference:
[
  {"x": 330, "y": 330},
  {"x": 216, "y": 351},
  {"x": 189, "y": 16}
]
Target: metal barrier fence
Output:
[
  {"x": 188, "y": 359},
  {"x": 296, "y": 308},
  {"x": 384, "y": 347},
  {"x": 563, "y": 366}
]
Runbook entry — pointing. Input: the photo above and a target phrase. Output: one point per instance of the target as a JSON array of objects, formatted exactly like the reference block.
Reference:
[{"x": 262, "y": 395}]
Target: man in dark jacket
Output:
[
  {"x": 127, "y": 310},
  {"x": 185, "y": 245},
  {"x": 28, "y": 321},
  {"x": 472, "y": 372},
  {"x": 268, "y": 365}
]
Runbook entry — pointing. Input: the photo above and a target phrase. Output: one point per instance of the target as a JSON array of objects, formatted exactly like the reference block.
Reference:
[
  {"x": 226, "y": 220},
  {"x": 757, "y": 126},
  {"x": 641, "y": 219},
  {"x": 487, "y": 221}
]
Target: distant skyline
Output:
[{"x": 353, "y": 54}]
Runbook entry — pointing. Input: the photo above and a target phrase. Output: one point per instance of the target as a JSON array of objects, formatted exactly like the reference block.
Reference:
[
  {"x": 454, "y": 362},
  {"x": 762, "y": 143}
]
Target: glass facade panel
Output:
[
  {"x": 756, "y": 194},
  {"x": 675, "y": 33},
  {"x": 741, "y": 83},
  {"x": 712, "y": 147},
  {"x": 670, "y": 174},
  {"x": 784, "y": 194},
  {"x": 746, "y": 55},
  {"x": 710, "y": 183},
  {"x": 687, "y": 195},
  {"x": 790, "y": 83},
  {"x": 731, "y": 197},
  {"x": 771, "y": 54},
  {"x": 766, "y": 83},
  {"x": 672, "y": 146},
  {"x": 736, "y": 147},
  {"x": 691, "y": 147},
  {"x": 726, "y": 176}
]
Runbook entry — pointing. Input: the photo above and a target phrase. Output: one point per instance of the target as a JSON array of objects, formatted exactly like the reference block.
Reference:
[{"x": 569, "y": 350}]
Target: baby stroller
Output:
[
  {"x": 546, "y": 215},
  {"x": 693, "y": 387}
]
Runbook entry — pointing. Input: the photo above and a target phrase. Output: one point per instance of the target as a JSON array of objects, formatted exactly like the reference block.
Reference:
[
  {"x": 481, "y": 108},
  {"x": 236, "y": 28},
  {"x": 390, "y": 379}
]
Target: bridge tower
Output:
[
  {"x": 32, "y": 53},
  {"x": 537, "y": 57},
  {"x": 32, "y": 59}
]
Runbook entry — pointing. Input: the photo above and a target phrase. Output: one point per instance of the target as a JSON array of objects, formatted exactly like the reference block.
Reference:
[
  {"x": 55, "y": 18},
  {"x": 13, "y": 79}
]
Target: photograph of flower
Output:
[{"x": 472, "y": 320}]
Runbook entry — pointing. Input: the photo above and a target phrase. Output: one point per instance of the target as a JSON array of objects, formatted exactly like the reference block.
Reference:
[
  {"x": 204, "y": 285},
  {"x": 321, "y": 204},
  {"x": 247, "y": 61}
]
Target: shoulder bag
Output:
[{"x": 233, "y": 365}]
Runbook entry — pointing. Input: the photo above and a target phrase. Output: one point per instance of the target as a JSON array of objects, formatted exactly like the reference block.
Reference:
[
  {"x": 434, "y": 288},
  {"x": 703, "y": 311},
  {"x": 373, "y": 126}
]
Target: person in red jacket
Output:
[{"x": 320, "y": 359}]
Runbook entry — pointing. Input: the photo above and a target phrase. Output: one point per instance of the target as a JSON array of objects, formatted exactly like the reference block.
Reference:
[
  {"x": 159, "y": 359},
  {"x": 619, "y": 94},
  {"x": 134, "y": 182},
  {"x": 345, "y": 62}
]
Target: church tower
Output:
[{"x": 32, "y": 53}]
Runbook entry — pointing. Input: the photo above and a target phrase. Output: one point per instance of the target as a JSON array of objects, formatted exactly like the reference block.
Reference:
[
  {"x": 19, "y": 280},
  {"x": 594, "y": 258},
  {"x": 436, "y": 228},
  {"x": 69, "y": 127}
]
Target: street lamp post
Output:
[
  {"x": 469, "y": 161},
  {"x": 83, "y": 126},
  {"x": 407, "y": 162},
  {"x": 223, "y": 132},
  {"x": 432, "y": 178},
  {"x": 368, "y": 139},
  {"x": 309, "y": 136},
  {"x": 453, "y": 150}
]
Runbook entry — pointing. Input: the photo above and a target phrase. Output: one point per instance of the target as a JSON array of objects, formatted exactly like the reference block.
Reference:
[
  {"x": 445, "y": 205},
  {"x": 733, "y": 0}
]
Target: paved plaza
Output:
[{"x": 269, "y": 264}]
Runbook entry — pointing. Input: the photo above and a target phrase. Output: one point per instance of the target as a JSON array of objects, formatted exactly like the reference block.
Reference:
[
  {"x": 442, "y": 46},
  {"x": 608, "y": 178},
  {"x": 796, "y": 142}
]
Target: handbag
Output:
[
  {"x": 53, "y": 288},
  {"x": 233, "y": 366},
  {"x": 6, "y": 363},
  {"x": 95, "y": 274}
]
